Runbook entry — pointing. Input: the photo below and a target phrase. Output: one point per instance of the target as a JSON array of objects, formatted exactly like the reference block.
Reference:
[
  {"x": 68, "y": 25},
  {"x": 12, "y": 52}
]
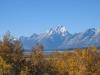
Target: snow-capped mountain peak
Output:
[
  {"x": 58, "y": 30},
  {"x": 61, "y": 29},
  {"x": 90, "y": 32}
]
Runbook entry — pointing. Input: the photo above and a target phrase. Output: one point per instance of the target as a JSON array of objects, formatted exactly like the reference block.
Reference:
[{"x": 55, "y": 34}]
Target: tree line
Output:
[{"x": 13, "y": 61}]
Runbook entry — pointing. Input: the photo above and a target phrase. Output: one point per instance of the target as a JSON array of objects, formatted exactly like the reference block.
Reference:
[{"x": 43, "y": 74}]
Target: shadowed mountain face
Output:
[{"x": 60, "y": 38}]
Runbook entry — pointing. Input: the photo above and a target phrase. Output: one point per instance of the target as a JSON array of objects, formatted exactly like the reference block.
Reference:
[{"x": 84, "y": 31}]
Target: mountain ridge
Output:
[{"x": 60, "y": 38}]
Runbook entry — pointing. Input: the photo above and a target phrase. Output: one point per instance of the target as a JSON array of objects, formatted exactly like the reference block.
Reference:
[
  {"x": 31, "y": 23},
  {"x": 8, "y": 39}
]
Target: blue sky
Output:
[{"x": 24, "y": 17}]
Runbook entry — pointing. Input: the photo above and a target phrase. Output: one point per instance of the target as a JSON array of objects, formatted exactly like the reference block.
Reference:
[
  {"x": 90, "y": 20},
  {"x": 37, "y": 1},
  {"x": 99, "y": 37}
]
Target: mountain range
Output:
[{"x": 60, "y": 38}]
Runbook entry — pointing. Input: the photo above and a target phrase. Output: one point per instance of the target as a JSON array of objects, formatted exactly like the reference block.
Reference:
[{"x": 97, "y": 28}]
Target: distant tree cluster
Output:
[{"x": 13, "y": 61}]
